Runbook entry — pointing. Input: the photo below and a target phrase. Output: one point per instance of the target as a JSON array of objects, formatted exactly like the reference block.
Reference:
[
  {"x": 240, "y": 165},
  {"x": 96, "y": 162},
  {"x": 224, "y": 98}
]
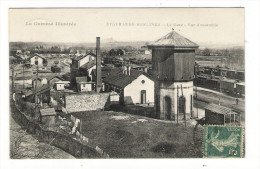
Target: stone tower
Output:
[{"x": 173, "y": 60}]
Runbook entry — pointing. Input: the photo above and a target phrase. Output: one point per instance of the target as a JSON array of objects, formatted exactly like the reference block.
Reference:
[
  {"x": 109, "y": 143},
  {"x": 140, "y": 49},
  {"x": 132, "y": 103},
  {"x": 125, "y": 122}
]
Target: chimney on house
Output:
[{"x": 98, "y": 66}]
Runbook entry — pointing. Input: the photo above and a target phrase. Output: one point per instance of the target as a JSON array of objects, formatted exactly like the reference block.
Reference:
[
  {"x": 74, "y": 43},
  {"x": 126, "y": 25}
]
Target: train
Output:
[
  {"x": 221, "y": 71},
  {"x": 230, "y": 86}
]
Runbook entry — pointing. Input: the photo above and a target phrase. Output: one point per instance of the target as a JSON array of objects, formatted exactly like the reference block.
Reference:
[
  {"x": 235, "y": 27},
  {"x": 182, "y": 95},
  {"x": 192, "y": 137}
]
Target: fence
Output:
[{"x": 62, "y": 141}]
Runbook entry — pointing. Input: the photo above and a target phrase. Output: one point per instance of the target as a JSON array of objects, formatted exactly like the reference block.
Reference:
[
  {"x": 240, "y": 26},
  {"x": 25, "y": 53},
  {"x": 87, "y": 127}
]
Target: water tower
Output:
[{"x": 173, "y": 60}]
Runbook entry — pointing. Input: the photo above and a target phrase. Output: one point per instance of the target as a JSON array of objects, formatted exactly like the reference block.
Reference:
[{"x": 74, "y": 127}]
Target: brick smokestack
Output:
[{"x": 98, "y": 66}]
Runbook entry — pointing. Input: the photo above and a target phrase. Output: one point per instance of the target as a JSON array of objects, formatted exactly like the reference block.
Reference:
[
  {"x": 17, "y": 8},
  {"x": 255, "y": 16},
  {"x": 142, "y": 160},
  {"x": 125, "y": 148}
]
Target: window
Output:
[
  {"x": 84, "y": 85},
  {"x": 143, "y": 81}
]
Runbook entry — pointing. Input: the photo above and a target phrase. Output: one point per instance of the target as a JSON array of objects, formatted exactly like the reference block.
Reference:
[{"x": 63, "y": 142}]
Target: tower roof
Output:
[{"x": 173, "y": 39}]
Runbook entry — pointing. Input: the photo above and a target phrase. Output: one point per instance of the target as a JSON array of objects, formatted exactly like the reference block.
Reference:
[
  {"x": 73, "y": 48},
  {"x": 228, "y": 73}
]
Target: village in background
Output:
[{"x": 113, "y": 99}]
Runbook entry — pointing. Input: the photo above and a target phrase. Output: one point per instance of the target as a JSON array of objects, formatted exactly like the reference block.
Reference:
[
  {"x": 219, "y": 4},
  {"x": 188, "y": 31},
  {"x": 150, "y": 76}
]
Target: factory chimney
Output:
[{"x": 98, "y": 66}]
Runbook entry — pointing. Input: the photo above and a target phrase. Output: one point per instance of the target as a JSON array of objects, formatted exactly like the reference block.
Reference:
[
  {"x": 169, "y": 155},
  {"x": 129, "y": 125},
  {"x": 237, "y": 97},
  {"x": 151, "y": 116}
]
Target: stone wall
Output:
[
  {"x": 86, "y": 102},
  {"x": 65, "y": 142}
]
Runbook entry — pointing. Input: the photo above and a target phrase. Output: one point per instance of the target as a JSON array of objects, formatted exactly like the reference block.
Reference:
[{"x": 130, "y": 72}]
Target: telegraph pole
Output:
[
  {"x": 13, "y": 77},
  {"x": 35, "y": 96},
  {"x": 177, "y": 104},
  {"x": 23, "y": 74},
  {"x": 184, "y": 107}
]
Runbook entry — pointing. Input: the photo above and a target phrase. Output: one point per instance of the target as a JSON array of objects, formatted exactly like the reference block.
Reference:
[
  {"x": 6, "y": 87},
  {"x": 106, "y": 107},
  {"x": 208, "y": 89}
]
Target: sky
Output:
[{"x": 216, "y": 26}]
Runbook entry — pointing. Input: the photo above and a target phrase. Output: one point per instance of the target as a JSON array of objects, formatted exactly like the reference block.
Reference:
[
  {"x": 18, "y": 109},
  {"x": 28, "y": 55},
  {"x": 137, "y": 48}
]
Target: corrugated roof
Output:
[
  {"x": 81, "y": 79},
  {"x": 218, "y": 108},
  {"x": 117, "y": 78},
  {"x": 175, "y": 40},
  {"x": 48, "y": 112}
]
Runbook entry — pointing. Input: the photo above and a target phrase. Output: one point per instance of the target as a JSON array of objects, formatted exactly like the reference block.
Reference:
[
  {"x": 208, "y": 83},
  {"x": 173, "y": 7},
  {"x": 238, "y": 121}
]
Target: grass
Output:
[{"x": 130, "y": 138}]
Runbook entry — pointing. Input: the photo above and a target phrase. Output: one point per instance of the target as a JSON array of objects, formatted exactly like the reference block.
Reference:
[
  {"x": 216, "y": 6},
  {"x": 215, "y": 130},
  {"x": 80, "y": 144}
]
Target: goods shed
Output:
[{"x": 220, "y": 115}]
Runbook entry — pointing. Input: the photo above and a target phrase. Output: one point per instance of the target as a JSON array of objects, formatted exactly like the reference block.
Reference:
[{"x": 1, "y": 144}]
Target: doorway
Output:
[
  {"x": 182, "y": 105},
  {"x": 143, "y": 96},
  {"x": 168, "y": 107}
]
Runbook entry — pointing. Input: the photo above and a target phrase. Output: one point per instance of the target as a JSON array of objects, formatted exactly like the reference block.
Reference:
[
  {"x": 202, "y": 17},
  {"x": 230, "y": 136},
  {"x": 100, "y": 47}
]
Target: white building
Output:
[
  {"x": 133, "y": 86},
  {"x": 37, "y": 58},
  {"x": 60, "y": 85},
  {"x": 83, "y": 85}
]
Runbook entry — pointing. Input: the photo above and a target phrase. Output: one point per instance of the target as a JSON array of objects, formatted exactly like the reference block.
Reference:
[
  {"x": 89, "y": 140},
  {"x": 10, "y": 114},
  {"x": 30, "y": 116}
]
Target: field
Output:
[{"x": 123, "y": 135}]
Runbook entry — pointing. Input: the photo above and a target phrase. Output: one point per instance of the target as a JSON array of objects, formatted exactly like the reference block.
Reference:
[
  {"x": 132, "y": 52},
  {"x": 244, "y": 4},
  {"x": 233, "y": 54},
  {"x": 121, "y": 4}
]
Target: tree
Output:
[
  {"x": 206, "y": 52},
  {"x": 120, "y": 52},
  {"x": 112, "y": 52}
]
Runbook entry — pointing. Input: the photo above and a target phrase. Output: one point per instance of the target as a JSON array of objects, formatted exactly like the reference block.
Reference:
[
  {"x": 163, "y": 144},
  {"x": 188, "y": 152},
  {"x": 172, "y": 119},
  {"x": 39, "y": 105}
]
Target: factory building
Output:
[{"x": 173, "y": 60}]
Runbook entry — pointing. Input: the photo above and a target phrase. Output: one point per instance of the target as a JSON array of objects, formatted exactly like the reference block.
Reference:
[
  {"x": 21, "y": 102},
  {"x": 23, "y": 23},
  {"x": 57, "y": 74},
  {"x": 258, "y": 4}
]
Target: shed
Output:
[
  {"x": 220, "y": 115},
  {"x": 48, "y": 116}
]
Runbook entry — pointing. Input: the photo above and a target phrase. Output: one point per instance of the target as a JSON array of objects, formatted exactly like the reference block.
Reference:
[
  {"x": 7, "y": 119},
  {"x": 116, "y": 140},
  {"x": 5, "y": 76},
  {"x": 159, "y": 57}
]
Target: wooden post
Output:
[
  {"x": 23, "y": 76},
  {"x": 224, "y": 119},
  {"x": 240, "y": 119},
  {"x": 13, "y": 78},
  {"x": 234, "y": 118},
  {"x": 177, "y": 104},
  {"x": 197, "y": 102},
  {"x": 230, "y": 117},
  {"x": 35, "y": 95},
  {"x": 184, "y": 108}
]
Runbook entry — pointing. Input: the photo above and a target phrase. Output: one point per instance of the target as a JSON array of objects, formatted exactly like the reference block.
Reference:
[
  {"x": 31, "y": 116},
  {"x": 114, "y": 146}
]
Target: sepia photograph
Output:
[{"x": 126, "y": 83}]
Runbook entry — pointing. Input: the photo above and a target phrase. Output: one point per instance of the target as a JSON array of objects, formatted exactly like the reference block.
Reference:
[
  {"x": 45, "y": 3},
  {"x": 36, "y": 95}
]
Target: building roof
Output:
[
  {"x": 173, "y": 39},
  {"x": 40, "y": 89},
  {"x": 54, "y": 76},
  {"x": 218, "y": 109},
  {"x": 104, "y": 71},
  {"x": 79, "y": 57},
  {"x": 89, "y": 64},
  {"x": 48, "y": 112},
  {"x": 81, "y": 79},
  {"x": 117, "y": 78},
  {"x": 36, "y": 54}
]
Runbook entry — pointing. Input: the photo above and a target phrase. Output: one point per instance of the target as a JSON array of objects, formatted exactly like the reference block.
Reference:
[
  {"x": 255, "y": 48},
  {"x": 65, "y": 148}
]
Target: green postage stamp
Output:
[{"x": 222, "y": 141}]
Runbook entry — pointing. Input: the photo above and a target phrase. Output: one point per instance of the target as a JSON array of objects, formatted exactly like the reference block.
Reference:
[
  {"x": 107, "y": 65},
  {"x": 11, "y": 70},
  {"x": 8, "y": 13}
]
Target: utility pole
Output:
[
  {"x": 196, "y": 89},
  {"x": 177, "y": 104},
  {"x": 184, "y": 107},
  {"x": 23, "y": 74},
  {"x": 13, "y": 78},
  {"x": 35, "y": 96}
]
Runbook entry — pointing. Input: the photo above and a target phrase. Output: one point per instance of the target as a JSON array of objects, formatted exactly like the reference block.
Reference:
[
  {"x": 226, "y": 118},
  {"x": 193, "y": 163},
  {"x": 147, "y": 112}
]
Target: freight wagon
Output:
[
  {"x": 228, "y": 86},
  {"x": 240, "y": 89}
]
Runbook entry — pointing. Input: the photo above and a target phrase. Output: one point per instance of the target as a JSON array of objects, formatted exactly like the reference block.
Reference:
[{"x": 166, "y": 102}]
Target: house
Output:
[
  {"x": 133, "y": 86},
  {"x": 83, "y": 85},
  {"x": 77, "y": 63},
  {"x": 48, "y": 116},
  {"x": 51, "y": 80},
  {"x": 220, "y": 115},
  {"x": 43, "y": 94},
  {"x": 37, "y": 59},
  {"x": 60, "y": 85},
  {"x": 86, "y": 69}
]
